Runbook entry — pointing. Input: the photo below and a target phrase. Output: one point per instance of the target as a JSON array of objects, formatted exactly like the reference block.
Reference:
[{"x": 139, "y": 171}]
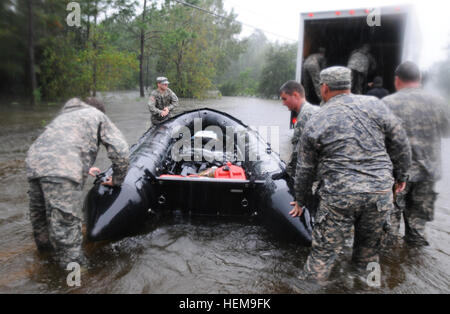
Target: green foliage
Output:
[
  {"x": 243, "y": 85},
  {"x": 195, "y": 46},
  {"x": 12, "y": 49},
  {"x": 68, "y": 72},
  {"x": 37, "y": 95},
  {"x": 64, "y": 72},
  {"x": 244, "y": 73},
  {"x": 195, "y": 50},
  {"x": 279, "y": 68}
]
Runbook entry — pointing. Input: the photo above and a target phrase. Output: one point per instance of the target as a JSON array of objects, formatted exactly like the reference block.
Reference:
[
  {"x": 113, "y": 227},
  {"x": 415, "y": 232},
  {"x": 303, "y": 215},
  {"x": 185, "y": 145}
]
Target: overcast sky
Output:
[{"x": 282, "y": 17}]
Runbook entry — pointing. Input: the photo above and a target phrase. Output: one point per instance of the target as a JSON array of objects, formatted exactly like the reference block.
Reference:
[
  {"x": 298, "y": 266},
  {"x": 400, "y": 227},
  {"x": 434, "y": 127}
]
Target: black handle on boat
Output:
[
  {"x": 149, "y": 176},
  {"x": 99, "y": 178},
  {"x": 283, "y": 175}
]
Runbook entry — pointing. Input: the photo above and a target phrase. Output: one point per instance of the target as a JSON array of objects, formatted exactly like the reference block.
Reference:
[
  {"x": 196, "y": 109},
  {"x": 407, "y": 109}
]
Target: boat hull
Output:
[{"x": 114, "y": 213}]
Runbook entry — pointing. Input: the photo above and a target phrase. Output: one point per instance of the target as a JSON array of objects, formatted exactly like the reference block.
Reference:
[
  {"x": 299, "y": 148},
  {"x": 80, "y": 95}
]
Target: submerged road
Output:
[{"x": 192, "y": 256}]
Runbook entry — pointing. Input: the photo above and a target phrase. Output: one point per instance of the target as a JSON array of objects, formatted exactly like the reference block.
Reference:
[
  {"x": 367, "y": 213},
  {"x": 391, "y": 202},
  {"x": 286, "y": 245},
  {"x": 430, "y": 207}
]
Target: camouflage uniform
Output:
[
  {"x": 361, "y": 62},
  {"x": 426, "y": 120},
  {"x": 160, "y": 101},
  {"x": 355, "y": 147},
  {"x": 311, "y": 73},
  {"x": 335, "y": 218},
  {"x": 58, "y": 163},
  {"x": 306, "y": 111},
  {"x": 55, "y": 214}
]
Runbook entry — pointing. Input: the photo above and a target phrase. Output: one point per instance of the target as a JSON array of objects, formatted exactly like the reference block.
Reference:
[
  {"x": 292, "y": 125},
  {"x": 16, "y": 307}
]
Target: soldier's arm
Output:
[
  {"x": 292, "y": 164},
  {"x": 305, "y": 174},
  {"x": 444, "y": 115},
  {"x": 323, "y": 63},
  {"x": 397, "y": 145},
  {"x": 152, "y": 106},
  {"x": 117, "y": 149}
]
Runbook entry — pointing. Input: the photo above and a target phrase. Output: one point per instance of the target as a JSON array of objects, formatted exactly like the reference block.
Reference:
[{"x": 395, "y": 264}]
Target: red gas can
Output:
[{"x": 230, "y": 172}]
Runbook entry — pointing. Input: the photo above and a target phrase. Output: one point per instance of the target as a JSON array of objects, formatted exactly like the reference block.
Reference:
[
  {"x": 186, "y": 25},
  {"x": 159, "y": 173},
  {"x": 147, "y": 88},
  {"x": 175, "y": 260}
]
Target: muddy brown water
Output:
[{"x": 188, "y": 255}]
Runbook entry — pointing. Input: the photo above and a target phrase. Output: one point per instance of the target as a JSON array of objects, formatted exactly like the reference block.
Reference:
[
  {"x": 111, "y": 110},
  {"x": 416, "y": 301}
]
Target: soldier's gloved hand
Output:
[
  {"x": 297, "y": 211},
  {"x": 94, "y": 171}
]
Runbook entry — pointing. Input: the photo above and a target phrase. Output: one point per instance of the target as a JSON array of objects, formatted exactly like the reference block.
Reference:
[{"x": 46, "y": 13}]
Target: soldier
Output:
[
  {"x": 312, "y": 66},
  {"x": 162, "y": 101},
  {"x": 357, "y": 149},
  {"x": 426, "y": 120},
  {"x": 58, "y": 163},
  {"x": 361, "y": 62},
  {"x": 293, "y": 96}
]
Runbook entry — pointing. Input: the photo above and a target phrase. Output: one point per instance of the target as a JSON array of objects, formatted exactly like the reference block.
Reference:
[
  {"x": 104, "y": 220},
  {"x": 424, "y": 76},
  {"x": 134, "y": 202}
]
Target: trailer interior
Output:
[{"x": 340, "y": 36}]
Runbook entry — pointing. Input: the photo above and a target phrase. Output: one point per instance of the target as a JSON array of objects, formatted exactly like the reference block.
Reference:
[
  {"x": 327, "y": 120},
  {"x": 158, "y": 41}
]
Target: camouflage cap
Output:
[
  {"x": 337, "y": 77},
  {"x": 162, "y": 80}
]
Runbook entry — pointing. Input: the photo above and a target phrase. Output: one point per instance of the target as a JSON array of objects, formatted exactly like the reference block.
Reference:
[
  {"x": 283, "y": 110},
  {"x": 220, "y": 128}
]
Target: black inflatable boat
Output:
[{"x": 202, "y": 163}]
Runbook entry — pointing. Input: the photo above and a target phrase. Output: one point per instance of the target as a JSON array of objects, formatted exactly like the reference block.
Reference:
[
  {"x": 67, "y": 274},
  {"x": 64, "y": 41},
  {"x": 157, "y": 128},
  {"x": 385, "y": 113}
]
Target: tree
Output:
[
  {"x": 243, "y": 74},
  {"x": 30, "y": 46},
  {"x": 117, "y": 46},
  {"x": 189, "y": 49},
  {"x": 12, "y": 49},
  {"x": 80, "y": 61},
  {"x": 141, "y": 56},
  {"x": 279, "y": 68}
]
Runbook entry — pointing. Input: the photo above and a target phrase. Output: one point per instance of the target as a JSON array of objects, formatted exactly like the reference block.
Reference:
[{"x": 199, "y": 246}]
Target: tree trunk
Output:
[
  {"x": 88, "y": 24},
  {"x": 94, "y": 44},
  {"x": 141, "y": 57},
  {"x": 178, "y": 65},
  {"x": 31, "y": 61},
  {"x": 147, "y": 74}
]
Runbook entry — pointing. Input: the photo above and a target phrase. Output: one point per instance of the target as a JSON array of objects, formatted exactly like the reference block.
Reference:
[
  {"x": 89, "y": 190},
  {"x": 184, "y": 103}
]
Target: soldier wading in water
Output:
[
  {"x": 357, "y": 150},
  {"x": 58, "y": 163}
]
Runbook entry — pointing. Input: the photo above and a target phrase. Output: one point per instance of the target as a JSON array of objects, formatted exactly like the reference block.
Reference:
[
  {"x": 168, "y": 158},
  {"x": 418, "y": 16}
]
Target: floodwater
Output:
[{"x": 188, "y": 255}]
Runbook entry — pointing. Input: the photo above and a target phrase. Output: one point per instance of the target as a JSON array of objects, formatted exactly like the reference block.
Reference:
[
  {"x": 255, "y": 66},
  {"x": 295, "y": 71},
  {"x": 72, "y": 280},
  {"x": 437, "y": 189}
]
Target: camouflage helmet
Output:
[
  {"x": 162, "y": 80},
  {"x": 337, "y": 78}
]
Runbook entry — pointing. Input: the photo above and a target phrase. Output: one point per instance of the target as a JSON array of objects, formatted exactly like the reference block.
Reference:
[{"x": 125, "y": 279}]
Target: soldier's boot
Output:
[
  {"x": 325, "y": 250},
  {"x": 65, "y": 258},
  {"x": 66, "y": 237},
  {"x": 415, "y": 232},
  {"x": 417, "y": 214},
  {"x": 42, "y": 240},
  {"x": 363, "y": 256},
  {"x": 318, "y": 268}
]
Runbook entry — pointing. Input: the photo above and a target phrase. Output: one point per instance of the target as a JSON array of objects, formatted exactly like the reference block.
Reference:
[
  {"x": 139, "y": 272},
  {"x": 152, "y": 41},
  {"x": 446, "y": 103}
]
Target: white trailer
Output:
[{"x": 392, "y": 32}]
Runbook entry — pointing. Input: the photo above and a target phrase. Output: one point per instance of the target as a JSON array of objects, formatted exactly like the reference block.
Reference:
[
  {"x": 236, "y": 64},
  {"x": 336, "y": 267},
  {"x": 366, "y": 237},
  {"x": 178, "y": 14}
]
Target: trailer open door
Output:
[{"x": 394, "y": 40}]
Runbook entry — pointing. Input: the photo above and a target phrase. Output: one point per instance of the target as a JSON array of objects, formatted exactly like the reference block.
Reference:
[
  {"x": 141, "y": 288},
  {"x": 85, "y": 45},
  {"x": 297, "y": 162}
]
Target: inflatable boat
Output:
[{"x": 202, "y": 163}]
